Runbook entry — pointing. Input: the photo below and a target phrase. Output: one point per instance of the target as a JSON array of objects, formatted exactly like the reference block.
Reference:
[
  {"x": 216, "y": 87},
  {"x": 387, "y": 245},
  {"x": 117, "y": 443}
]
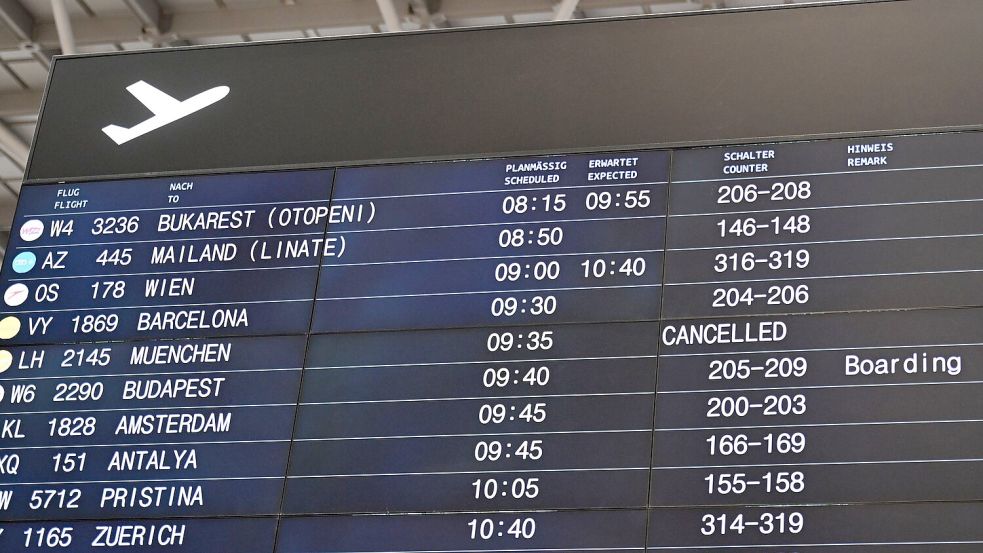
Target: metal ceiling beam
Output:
[
  {"x": 63, "y": 25},
  {"x": 565, "y": 9},
  {"x": 303, "y": 15},
  {"x": 13, "y": 145},
  {"x": 480, "y": 8},
  {"x": 461, "y": 9},
  {"x": 5, "y": 234},
  {"x": 390, "y": 15},
  {"x": 16, "y": 16},
  {"x": 428, "y": 13},
  {"x": 150, "y": 14},
  {"x": 16, "y": 104},
  {"x": 13, "y": 192},
  {"x": 190, "y": 25}
]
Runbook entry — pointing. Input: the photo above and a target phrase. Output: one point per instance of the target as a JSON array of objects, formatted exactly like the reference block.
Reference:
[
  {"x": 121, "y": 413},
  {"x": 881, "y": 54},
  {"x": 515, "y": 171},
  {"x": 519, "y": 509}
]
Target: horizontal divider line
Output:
[
  {"x": 816, "y": 242},
  {"x": 498, "y": 191},
  {"x": 807, "y": 350},
  {"x": 818, "y": 387},
  {"x": 827, "y": 173},
  {"x": 840, "y": 544},
  {"x": 141, "y": 481},
  {"x": 184, "y": 207},
  {"x": 825, "y": 277},
  {"x": 167, "y": 306},
  {"x": 475, "y": 435},
  {"x": 822, "y": 207},
  {"x": 128, "y": 409},
  {"x": 453, "y": 473},
  {"x": 196, "y": 271},
  {"x": 486, "y": 258},
  {"x": 501, "y": 223},
  {"x": 475, "y": 398},
  {"x": 821, "y": 464},
  {"x": 818, "y": 425},
  {"x": 148, "y": 444},
  {"x": 537, "y": 550},
  {"x": 129, "y": 375},
  {"x": 427, "y": 364},
  {"x": 160, "y": 240},
  {"x": 483, "y": 292}
]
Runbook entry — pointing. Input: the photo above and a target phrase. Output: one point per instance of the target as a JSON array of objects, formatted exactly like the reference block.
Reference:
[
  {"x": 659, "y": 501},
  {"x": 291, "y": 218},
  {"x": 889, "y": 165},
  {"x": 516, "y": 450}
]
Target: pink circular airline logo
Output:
[
  {"x": 31, "y": 230},
  {"x": 15, "y": 295}
]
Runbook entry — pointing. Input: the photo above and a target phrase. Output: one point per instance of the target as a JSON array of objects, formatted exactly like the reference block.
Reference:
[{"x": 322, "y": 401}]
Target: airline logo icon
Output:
[
  {"x": 24, "y": 262},
  {"x": 31, "y": 230},
  {"x": 15, "y": 295},
  {"x": 6, "y": 360},
  {"x": 9, "y": 327},
  {"x": 166, "y": 109}
]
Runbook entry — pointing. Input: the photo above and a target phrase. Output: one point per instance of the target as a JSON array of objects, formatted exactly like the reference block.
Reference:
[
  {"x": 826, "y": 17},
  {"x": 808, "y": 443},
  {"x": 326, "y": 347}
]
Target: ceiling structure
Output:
[{"x": 32, "y": 31}]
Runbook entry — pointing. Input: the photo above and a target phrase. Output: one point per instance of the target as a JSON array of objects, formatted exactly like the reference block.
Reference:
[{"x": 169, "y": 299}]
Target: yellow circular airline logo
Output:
[{"x": 9, "y": 327}]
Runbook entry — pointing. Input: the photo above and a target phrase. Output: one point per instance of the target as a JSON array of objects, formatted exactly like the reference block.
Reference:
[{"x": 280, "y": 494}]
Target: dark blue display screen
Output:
[{"x": 726, "y": 349}]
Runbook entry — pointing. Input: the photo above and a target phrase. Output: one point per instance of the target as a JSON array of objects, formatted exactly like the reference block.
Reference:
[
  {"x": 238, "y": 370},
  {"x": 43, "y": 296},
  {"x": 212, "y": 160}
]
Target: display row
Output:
[{"x": 888, "y": 528}]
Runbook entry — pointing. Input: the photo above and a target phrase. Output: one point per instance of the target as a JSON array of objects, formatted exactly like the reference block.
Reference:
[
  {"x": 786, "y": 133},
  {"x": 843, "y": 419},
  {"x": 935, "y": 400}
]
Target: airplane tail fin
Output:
[{"x": 117, "y": 133}]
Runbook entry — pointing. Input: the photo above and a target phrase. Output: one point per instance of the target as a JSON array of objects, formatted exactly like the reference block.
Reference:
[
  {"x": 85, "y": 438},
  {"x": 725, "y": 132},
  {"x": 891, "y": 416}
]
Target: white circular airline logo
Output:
[
  {"x": 31, "y": 230},
  {"x": 15, "y": 295}
]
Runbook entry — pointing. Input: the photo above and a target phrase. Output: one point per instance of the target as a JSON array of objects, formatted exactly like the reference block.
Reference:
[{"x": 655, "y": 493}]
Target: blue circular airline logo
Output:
[{"x": 24, "y": 262}]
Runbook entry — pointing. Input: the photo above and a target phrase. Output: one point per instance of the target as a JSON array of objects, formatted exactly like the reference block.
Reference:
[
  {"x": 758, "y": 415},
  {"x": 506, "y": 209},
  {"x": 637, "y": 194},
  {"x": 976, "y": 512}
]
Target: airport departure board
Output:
[{"x": 768, "y": 347}]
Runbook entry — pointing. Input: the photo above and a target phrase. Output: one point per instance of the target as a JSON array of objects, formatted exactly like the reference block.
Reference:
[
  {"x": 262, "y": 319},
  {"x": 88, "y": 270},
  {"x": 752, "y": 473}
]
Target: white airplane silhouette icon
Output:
[{"x": 166, "y": 109}]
